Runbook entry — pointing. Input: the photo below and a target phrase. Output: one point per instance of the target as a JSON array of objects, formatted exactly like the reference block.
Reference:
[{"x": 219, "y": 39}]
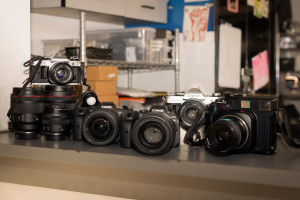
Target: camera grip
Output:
[
  {"x": 128, "y": 119},
  {"x": 77, "y": 124}
]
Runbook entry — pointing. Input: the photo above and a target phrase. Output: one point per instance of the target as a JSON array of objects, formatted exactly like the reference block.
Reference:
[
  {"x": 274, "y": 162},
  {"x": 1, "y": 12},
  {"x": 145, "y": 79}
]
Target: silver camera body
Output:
[
  {"x": 59, "y": 71},
  {"x": 188, "y": 105}
]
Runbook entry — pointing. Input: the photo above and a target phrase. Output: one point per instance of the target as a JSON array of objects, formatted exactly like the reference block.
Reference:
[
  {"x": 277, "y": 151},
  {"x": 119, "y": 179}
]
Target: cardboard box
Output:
[
  {"x": 101, "y": 73},
  {"x": 103, "y": 88},
  {"x": 112, "y": 98}
]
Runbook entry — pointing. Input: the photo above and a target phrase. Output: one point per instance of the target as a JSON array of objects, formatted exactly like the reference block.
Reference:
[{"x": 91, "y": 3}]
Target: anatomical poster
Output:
[{"x": 195, "y": 23}]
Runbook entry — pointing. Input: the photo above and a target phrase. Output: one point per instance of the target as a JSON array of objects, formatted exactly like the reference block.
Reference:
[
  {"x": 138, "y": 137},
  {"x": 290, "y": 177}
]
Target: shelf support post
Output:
[
  {"x": 177, "y": 65},
  {"x": 83, "y": 44},
  {"x": 129, "y": 78}
]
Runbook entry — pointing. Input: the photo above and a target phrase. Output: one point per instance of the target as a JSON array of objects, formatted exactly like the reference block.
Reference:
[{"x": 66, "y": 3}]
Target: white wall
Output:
[{"x": 14, "y": 51}]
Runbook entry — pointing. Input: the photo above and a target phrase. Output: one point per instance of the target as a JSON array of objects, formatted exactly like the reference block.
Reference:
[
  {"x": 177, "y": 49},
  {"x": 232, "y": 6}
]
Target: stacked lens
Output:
[
  {"x": 60, "y": 102},
  {"x": 26, "y": 117}
]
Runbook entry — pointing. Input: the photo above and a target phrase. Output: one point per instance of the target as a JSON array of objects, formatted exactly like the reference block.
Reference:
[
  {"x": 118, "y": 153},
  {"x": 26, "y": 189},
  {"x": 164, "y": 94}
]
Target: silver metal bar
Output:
[
  {"x": 277, "y": 54},
  {"x": 129, "y": 78},
  {"x": 177, "y": 65},
  {"x": 83, "y": 44}
]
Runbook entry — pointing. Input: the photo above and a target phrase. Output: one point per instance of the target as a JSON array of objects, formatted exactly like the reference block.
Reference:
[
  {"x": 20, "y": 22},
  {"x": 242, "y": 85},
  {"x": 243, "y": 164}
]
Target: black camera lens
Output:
[
  {"x": 56, "y": 122},
  {"x": 61, "y": 94},
  {"x": 61, "y": 74},
  {"x": 227, "y": 134},
  {"x": 26, "y": 117},
  {"x": 101, "y": 127},
  {"x": 189, "y": 111},
  {"x": 153, "y": 134}
]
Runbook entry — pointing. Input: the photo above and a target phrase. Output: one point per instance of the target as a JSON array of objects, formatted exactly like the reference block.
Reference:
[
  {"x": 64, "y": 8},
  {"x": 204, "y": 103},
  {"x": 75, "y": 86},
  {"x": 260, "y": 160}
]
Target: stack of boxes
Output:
[{"x": 103, "y": 80}]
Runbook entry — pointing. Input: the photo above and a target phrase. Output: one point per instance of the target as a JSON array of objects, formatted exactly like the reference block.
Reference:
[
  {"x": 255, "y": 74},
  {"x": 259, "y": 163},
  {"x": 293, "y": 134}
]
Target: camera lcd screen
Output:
[{"x": 245, "y": 104}]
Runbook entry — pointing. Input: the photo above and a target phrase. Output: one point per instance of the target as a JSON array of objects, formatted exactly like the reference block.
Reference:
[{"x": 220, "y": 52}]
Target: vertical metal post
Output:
[
  {"x": 277, "y": 55},
  {"x": 129, "y": 70},
  {"x": 83, "y": 44},
  {"x": 176, "y": 55}
]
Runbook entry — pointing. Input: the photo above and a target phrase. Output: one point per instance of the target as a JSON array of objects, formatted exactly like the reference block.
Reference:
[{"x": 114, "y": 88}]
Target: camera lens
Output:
[
  {"x": 101, "y": 127},
  {"x": 56, "y": 122},
  {"x": 61, "y": 94},
  {"x": 227, "y": 134},
  {"x": 153, "y": 134},
  {"x": 61, "y": 74},
  {"x": 189, "y": 111},
  {"x": 26, "y": 117}
]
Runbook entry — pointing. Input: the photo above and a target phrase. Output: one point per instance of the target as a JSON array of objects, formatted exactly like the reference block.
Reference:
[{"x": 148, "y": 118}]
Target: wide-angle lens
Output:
[
  {"x": 26, "y": 117},
  {"x": 227, "y": 134},
  {"x": 101, "y": 127}
]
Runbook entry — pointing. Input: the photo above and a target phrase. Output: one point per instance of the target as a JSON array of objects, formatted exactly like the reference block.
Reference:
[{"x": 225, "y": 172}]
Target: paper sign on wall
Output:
[
  {"x": 195, "y": 22},
  {"x": 260, "y": 68}
]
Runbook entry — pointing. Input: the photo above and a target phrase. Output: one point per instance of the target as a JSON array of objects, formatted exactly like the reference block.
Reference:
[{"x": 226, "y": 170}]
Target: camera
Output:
[
  {"x": 152, "y": 132},
  {"x": 59, "y": 71},
  {"x": 242, "y": 124},
  {"x": 97, "y": 124},
  {"x": 188, "y": 105}
]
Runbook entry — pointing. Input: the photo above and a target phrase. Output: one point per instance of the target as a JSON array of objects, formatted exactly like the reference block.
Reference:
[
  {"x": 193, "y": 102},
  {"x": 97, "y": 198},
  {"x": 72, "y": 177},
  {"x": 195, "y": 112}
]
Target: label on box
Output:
[
  {"x": 112, "y": 75},
  {"x": 130, "y": 54}
]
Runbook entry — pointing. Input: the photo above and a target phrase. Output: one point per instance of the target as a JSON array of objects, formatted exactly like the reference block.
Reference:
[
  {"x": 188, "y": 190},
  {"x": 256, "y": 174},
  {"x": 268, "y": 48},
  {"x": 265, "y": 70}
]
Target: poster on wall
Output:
[
  {"x": 260, "y": 67},
  {"x": 195, "y": 23}
]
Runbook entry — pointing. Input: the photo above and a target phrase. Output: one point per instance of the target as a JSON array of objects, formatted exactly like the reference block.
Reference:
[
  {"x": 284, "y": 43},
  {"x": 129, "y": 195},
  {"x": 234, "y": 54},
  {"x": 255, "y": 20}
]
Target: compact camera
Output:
[
  {"x": 242, "y": 124},
  {"x": 152, "y": 132},
  {"x": 59, "y": 71},
  {"x": 188, "y": 105},
  {"x": 98, "y": 125}
]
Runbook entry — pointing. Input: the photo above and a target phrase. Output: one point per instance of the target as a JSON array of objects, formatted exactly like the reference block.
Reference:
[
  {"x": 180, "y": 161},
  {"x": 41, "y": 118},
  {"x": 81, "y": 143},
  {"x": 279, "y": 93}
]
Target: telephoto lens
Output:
[
  {"x": 56, "y": 122},
  {"x": 60, "y": 101},
  {"x": 61, "y": 94},
  {"x": 26, "y": 116}
]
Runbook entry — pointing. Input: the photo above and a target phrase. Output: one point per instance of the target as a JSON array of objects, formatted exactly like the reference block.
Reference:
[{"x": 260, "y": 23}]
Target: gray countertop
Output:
[{"x": 280, "y": 169}]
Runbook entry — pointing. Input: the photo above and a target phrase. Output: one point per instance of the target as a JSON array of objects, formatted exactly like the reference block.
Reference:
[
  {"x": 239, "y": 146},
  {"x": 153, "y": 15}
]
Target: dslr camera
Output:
[
  {"x": 152, "y": 132},
  {"x": 189, "y": 105},
  {"x": 98, "y": 124},
  {"x": 59, "y": 71},
  {"x": 242, "y": 124}
]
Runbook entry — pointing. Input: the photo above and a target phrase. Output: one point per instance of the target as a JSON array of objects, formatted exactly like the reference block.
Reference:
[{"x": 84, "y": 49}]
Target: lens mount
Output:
[
  {"x": 228, "y": 133},
  {"x": 189, "y": 111},
  {"x": 153, "y": 134},
  {"x": 101, "y": 127},
  {"x": 61, "y": 74}
]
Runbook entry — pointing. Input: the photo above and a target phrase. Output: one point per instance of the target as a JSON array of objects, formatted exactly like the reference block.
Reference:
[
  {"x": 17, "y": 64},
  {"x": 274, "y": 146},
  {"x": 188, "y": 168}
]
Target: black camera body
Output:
[
  {"x": 152, "y": 132},
  {"x": 242, "y": 124},
  {"x": 59, "y": 71},
  {"x": 99, "y": 125}
]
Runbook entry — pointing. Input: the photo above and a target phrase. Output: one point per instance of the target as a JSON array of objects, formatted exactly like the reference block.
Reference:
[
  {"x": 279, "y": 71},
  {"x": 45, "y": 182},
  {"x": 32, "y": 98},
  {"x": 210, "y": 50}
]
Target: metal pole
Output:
[
  {"x": 177, "y": 66},
  {"x": 83, "y": 44},
  {"x": 129, "y": 78}
]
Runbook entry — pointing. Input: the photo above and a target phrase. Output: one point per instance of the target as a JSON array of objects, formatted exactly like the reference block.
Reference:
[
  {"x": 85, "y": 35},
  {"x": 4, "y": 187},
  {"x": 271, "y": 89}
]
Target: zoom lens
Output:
[
  {"x": 26, "y": 117},
  {"x": 101, "y": 127},
  {"x": 64, "y": 95},
  {"x": 189, "y": 111},
  {"x": 227, "y": 134},
  {"x": 61, "y": 74},
  {"x": 153, "y": 134},
  {"x": 56, "y": 122}
]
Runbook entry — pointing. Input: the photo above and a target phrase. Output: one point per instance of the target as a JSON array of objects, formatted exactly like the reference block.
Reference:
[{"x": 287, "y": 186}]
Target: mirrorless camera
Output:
[
  {"x": 98, "y": 125},
  {"x": 188, "y": 105},
  {"x": 242, "y": 124},
  {"x": 59, "y": 71},
  {"x": 152, "y": 132}
]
